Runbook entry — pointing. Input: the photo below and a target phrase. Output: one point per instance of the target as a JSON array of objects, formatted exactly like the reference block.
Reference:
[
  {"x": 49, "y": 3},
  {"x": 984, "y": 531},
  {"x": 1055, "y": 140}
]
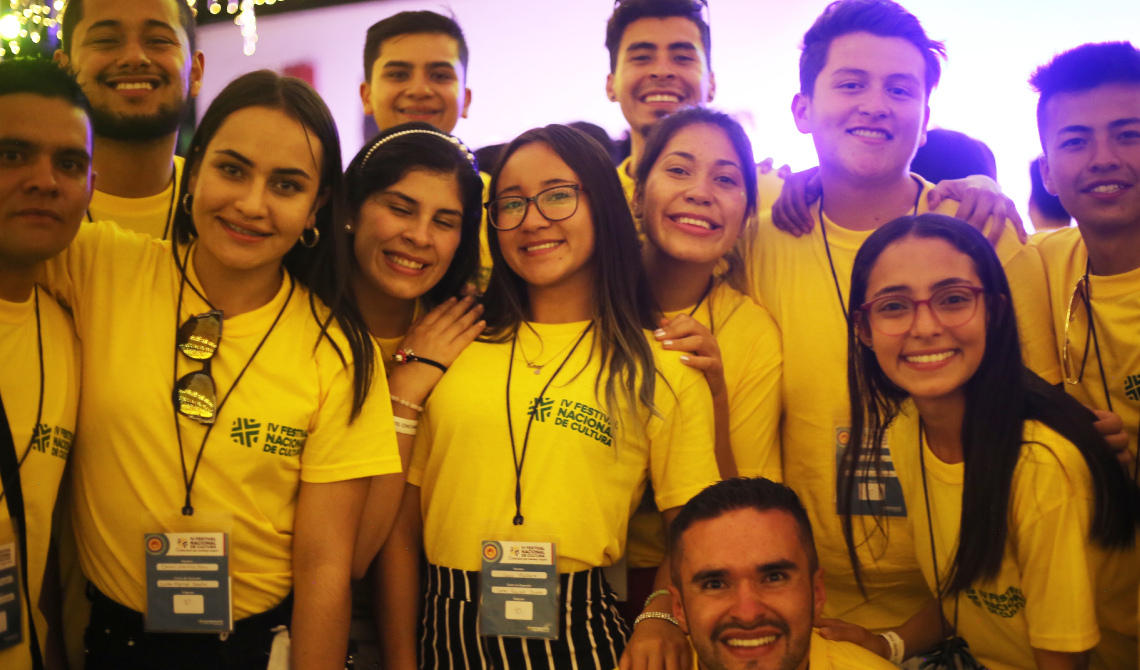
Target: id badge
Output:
[
  {"x": 877, "y": 491},
  {"x": 519, "y": 589},
  {"x": 11, "y": 598},
  {"x": 188, "y": 583}
]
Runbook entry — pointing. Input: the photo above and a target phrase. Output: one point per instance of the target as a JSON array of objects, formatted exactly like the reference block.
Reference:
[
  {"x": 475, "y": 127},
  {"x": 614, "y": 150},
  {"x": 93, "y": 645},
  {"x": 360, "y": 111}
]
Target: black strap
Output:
[{"x": 14, "y": 494}]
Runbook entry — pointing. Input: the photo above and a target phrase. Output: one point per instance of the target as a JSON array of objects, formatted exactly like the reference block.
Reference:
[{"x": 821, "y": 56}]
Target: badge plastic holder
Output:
[{"x": 188, "y": 580}]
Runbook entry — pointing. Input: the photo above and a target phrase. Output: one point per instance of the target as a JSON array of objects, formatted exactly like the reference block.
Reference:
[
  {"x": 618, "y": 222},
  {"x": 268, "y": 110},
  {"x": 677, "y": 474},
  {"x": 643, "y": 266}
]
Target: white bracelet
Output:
[
  {"x": 898, "y": 647},
  {"x": 405, "y": 426},
  {"x": 397, "y": 399}
]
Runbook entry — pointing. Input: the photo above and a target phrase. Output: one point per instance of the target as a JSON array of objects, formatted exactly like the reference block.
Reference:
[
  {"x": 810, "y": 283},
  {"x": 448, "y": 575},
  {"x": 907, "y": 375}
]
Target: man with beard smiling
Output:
[
  {"x": 747, "y": 583},
  {"x": 137, "y": 64}
]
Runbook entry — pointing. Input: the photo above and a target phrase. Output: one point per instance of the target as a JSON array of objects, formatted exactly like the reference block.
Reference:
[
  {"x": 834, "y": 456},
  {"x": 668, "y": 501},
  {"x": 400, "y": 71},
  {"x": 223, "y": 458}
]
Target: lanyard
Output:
[
  {"x": 518, "y": 520},
  {"x": 827, "y": 247},
  {"x": 188, "y": 481},
  {"x": 705, "y": 296},
  {"x": 40, "y": 406},
  {"x": 169, "y": 208},
  {"x": 1099, "y": 361},
  {"x": 930, "y": 526}
]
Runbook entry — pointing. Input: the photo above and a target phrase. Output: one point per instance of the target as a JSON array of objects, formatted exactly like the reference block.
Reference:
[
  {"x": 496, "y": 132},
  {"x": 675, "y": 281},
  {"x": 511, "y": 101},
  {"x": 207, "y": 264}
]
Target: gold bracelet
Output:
[
  {"x": 656, "y": 615},
  {"x": 405, "y": 403}
]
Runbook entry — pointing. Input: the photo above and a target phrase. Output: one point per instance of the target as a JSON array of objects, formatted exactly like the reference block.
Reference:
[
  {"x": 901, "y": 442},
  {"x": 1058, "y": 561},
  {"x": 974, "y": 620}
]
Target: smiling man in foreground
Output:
[{"x": 747, "y": 583}]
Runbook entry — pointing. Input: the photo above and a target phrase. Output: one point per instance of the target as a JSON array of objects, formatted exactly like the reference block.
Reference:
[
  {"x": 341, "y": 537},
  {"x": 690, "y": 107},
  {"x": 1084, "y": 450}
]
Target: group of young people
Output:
[{"x": 454, "y": 402}]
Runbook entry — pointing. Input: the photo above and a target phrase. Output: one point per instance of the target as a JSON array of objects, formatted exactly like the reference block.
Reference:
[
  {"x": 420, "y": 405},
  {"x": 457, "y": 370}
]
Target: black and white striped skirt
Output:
[{"x": 591, "y": 634}]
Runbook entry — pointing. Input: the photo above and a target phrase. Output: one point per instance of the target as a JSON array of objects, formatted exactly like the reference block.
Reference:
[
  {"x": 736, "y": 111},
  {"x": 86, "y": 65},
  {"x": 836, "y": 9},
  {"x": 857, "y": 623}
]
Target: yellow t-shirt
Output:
[
  {"x": 1116, "y": 306},
  {"x": 152, "y": 215},
  {"x": 585, "y": 469},
  {"x": 1054, "y": 585},
  {"x": 50, "y": 442},
  {"x": 286, "y": 422},
  {"x": 792, "y": 278},
  {"x": 832, "y": 655},
  {"x": 484, "y": 230},
  {"x": 749, "y": 344}
]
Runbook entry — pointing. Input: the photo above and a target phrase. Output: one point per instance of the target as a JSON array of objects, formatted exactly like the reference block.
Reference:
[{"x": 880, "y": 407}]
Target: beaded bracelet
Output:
[
  {"x": 656, "y": 615},
  {"x": 412, "y": 406},
  {"x": 659, "y": 592}
]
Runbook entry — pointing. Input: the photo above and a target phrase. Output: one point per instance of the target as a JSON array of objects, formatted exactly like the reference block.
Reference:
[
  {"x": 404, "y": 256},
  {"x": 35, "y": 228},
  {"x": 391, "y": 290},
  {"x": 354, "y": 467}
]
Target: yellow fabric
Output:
[
  {"x": 484, "y": 230},
  {"x": 585, "y": 468},
  {"x": 1052, "y": 584},
  {"x": 791, "y": 277},
  {"x": 287, "y": 421},
  {"x": 42, "y": 470},
  {"x": 151, "y": 215},
  {"x": 1116, "y": 306},
  {"x": 749, "y": 344},
  {"x": 768, "y": 188},
  {"x": 831, "y": 655}
]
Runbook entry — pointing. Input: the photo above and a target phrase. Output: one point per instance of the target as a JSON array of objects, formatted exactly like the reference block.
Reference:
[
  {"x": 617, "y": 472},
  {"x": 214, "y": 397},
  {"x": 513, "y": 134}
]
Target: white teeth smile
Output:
[
  {"x": 694, "y": 222},
  {"x": 540, "y": 247},
  {"x": 244, "y": 231},
  {"x": 134, "y": 86},
  {"x": 662, "y": 97},
  {"x": 754, "y": 642},
  {"x": 1107, "y": 188},
  {"x": 929, "y": 358},
  {"x": 406, "y": 263},
  {"x": 873, "y": 134}
]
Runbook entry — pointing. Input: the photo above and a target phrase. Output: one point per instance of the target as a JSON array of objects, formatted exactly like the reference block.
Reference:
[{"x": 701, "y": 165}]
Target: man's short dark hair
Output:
[
  {"x": 1084, "y": 68},
  {"x": 882, "y": 18},
  {"x": 73, "y": 14},
  {"x": 629, "y": 11},
  {"x": 949, "y": 154},
  {"x": 730, "y": 495},
  {"x": 411, "y": 23},
  {"x": 41, "y": 77}
]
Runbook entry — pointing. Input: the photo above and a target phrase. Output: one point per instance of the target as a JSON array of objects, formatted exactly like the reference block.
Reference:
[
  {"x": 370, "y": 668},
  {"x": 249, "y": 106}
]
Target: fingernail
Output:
[
  {"x": 826, "y": 632},
  {"x": 660, "y": 332},
  {"x": 667, "y": 343},
  {"x": 685, "y": 358}
]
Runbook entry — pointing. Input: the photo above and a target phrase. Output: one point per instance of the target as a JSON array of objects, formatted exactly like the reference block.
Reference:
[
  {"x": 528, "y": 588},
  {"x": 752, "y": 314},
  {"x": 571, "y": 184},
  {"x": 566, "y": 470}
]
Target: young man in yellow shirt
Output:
[
  {"x": 866, "y": 73},
  {"x": 45, "y": 185},
  {"x": 137, "y": 63},
  {"x": 747, "y": 584},
  {"x": 1088, "y": 117},
  {"x": 660, "y": 62}
]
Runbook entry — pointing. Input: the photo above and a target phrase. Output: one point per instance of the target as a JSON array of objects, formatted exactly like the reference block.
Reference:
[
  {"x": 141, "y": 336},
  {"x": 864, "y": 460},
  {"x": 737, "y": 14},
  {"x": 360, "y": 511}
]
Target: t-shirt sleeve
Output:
[
  {"x": 337, "y": 449},
  {"x": 1058, "y": 564},
  {"x": 1027, "y": 282},
  {"x": 682, "y": 461},
  {"x": 756, "y": 402}
]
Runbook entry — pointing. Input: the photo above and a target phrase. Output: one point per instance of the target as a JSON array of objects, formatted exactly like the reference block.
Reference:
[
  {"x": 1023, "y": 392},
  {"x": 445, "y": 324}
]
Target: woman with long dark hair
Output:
[
  {"x": 546, "y": 431},
  {"x": 1022, "y": 518},
  {"x": 229, "y": 415},
  {"x": 695, "y": 193}
]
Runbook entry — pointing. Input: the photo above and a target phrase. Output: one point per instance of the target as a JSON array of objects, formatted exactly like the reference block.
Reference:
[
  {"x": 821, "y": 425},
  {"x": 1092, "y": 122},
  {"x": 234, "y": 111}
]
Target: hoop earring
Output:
[
  {"x": 186, "y": 203},
  {"x": 316, "y": 237}
]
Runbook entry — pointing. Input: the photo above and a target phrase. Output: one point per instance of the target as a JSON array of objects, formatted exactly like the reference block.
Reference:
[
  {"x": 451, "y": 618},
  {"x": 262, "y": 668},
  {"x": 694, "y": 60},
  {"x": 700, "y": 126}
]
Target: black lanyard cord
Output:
[
  {"x": 40, "y": 407},
  {"x": 519, "y": 462},
  {"x": 827, "y": 247},
  {"x": 933, "y": 551},
  {"x": 188, "y": 481}
]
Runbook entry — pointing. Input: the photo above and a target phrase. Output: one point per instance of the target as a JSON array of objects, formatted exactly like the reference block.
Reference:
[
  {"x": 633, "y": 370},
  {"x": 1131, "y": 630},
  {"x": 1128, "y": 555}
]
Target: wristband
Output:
[
  {"x": 405, "y": 426},
  {"x": 656, "y": 615},
  {"x": 660, "y": 592},
  {"x": 403, "y": 356},
  {"x": 412, "y": 406},
  {"x": 898, "y": 647}
]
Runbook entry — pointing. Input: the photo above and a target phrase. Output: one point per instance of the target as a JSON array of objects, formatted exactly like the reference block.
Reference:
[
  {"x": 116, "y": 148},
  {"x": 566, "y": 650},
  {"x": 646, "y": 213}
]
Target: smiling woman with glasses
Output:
[
  {"x": 229, "y": 402},
  {"x": 1017, "y": 505},
  {"x": 546, "y": 432}
]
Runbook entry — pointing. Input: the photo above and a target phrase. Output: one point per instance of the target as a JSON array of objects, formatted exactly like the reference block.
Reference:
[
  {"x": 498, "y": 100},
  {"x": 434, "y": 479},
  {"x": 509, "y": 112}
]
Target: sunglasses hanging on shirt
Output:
[{"x": 195, "y": 394}]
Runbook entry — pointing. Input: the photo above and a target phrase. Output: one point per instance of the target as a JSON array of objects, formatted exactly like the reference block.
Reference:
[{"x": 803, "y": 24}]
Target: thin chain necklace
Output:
[{"x": 535, "y": 365}]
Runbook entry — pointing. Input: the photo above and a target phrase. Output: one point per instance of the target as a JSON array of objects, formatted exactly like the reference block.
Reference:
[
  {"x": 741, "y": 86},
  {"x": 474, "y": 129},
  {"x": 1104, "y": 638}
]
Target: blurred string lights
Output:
[
  {"x": 28, "y": 25},
  {"x": 33, "y": 25}
]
